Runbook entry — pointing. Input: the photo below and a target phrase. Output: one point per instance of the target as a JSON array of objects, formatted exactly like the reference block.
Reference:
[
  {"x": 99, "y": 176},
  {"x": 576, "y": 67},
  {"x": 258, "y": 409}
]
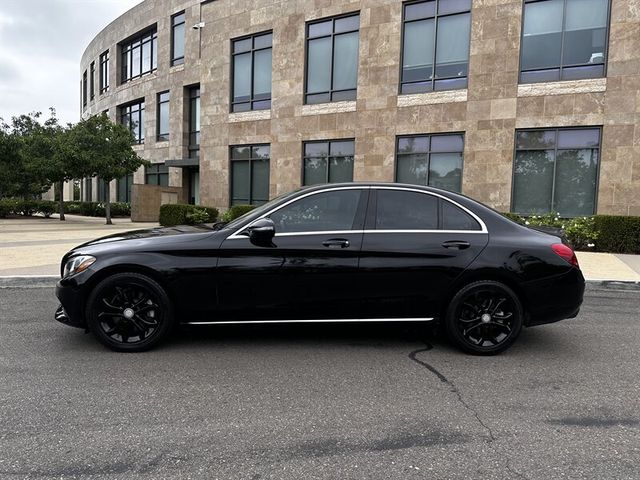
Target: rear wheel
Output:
[
  {"x": 484, "y": 318},
  {"x": 129, "y": 312}
]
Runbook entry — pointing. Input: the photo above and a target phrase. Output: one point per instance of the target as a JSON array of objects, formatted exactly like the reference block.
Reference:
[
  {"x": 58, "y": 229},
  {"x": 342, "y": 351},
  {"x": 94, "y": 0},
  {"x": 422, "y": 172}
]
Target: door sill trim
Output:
[{"x": 332, "y": 320}]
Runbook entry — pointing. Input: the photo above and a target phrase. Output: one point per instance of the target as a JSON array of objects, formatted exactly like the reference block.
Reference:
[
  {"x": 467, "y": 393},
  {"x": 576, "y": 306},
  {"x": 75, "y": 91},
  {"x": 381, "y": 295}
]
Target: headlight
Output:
[{"x": 77, "y": 264}]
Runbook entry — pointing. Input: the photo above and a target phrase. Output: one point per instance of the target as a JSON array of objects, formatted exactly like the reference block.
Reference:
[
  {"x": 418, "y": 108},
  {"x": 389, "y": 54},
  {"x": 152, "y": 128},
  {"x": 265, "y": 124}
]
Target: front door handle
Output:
[
  {"x": 459, "y": 244},
  {"x": 336, "y": 243}
]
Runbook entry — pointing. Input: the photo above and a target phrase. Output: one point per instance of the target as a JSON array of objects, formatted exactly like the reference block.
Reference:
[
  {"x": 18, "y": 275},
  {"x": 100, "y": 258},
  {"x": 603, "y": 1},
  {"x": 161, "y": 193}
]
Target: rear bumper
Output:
[{"x": 555, "y": 299}]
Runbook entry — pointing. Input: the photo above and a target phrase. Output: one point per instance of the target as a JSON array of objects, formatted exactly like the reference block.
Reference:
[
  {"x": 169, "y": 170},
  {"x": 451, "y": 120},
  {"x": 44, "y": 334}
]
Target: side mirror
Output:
[{"x": 262, "y": 231}]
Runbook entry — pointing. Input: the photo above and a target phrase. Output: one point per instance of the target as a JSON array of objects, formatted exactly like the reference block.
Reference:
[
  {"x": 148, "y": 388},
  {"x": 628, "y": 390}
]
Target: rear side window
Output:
[
  {"x": 454, "y": 218},
  {"x": 402, "y": 210},
  {"x": 335, "y": 210}
]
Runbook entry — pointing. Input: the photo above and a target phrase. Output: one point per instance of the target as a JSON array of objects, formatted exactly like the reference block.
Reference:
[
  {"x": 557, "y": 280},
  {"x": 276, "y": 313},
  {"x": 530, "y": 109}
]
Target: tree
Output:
[{"x": 104, "y": 148}]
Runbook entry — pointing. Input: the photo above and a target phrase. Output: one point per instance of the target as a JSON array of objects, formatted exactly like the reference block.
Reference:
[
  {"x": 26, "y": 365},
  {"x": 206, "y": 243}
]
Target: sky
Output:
[{"x": 41, "y": 42}]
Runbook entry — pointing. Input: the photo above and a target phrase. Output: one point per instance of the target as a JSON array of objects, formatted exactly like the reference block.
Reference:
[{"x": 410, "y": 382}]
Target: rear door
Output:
[{"x": 415, "y": 244}]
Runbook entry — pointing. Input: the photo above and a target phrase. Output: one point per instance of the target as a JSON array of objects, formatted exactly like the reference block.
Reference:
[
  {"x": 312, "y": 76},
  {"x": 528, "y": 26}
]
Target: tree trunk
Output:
[
  {"x": 107, "y": 203},
  {"x": 62, "y": 219}
]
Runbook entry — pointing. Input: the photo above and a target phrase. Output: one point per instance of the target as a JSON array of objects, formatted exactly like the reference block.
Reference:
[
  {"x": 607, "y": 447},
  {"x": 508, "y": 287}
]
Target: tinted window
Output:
[
  {"x": 320, "y": 212},
  {"x": 454, "y": 218},
  {"x": 402, "y": 210}
]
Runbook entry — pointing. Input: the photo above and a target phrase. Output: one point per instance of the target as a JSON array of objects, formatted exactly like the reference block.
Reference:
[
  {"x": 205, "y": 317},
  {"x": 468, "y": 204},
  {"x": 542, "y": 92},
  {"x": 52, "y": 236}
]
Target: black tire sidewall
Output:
[
  {"x": 451, "y": 319},
  {"x": 135, "y": 279}
]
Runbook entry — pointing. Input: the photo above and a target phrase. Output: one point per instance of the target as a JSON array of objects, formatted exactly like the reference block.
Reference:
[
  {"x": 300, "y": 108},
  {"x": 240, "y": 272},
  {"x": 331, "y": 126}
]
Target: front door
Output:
[
  {"x": 311, "y": 269},
  {"x": 415, "y": 245}
]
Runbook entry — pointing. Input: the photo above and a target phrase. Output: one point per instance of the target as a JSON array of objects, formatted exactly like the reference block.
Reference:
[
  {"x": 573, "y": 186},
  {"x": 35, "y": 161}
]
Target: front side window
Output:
[
  {"x": 321, "y": 212},
  {"x": 104, "y": 71},
  {"x": 435, "y": 45},
  {"x": 250, "y": 174},
  {"x": 332, "y": 59},
  {"x": 194, "y": 122},
  {"x": 132, "y": 117},
  {"x": 328, "y": 162},
  {"x": 434, "y": 160},
  {"x": 563, "y": 40},
  {"x": 163, "y": 116},
  {"x": 251, "y": 60},
  {"x": 177, "y": 39},
  {"x": 556, "y": 171},
  {"x": 157, "y": 174},
  {"x": 140, "y": 55}
]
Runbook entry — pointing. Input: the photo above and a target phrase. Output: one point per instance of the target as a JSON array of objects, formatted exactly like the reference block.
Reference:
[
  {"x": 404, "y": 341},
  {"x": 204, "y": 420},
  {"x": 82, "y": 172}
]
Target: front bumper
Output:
[{"x": 70, "y": 312}]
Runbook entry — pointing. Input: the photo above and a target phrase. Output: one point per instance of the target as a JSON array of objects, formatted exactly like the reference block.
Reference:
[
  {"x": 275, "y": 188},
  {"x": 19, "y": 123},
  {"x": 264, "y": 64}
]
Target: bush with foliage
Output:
[
  {"x": 8, "y": 206},
  {"x": 236, "y": 211},
  {"x": 180, "y": 214},
  {"x": 47, "y": 207},
  {"x": 617, "y": 234}
]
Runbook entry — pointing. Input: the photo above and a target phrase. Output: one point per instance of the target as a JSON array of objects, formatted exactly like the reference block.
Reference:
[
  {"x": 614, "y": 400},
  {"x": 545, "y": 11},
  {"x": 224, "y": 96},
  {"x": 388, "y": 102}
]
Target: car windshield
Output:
[{"x": 258, "y": 211}]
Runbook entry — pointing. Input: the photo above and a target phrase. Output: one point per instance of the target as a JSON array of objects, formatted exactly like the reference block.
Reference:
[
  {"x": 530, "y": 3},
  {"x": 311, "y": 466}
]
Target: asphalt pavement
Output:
[{"x": 320, "y": 402}]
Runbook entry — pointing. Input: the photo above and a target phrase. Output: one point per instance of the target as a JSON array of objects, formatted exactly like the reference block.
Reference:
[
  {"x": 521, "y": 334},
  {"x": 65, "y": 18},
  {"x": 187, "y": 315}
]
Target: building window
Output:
[
  {"x": 123, "y": 188},
  {"x": 563, "y": 40},
  {"x": 177, "y": 39},
  {"x": 556, "y": 170},
  {"x": 102, "y": 190},
  {"x": 163, "y": 116},
  {"x": 140, "y": 55},
  {"x": 92, "y": 77},
  {"x": 332, "y": 59},
  {"x": 84, "y": 89},
  {"x": 104, "y": 72},
  {"x": 328, "y": 162},
  {"x": 157, "y": 174},
  {"x": 88, "y": 189},
  {"x": 251, "y": 60},
  {"x": 194, "y": 122},
  {"x": 132, "y": 117},
  {"x": 435, "y": 45},
  {"x": 250, "y": 174},
  {"x": 434, "y": 160}
]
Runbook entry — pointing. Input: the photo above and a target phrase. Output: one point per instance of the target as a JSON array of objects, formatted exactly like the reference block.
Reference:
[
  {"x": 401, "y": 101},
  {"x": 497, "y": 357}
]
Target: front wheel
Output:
[
  {"x": 129, "y": 312},
  {"x": 484, "y": 318}
]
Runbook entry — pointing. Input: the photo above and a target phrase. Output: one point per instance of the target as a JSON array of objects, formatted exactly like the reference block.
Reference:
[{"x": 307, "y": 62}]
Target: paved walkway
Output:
[{"x": 34, "y": 246}]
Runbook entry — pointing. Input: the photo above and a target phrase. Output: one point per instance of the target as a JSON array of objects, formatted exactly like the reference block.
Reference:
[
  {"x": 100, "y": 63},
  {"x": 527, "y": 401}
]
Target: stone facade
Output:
[{"x": 488, "y": 112}]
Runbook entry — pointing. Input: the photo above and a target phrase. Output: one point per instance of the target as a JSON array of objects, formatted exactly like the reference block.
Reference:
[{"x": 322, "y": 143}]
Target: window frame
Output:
[
  {"x": 433, "y": 79},
  {"x": 194, "y": 148},
  {"x": 156, "y": 174},
  {"x": 104, "y": 71},
  {"x": 125, "y": 109},
  {"x": 138, "y": 41},
  {"x": 561, "y": 67},
  {"x": 84, "y": 90},
  {"x": 252, "y": 51},
  {"x": 127, "y": 190},
  {"x": 251, "y": 161},
  {"x": 178, "y": 60},
  {"x": 92, "y": 76},
  {"x": 163, "y": 136},
  {"x": 328, "y": 142},
  {"x": 332, "y": 35},
  {"x": 555, "y": 160},
  {"x": 430, "y": 135}
]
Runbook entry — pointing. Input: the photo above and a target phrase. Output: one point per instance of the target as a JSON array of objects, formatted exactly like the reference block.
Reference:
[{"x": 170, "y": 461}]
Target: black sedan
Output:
[{"x": 356, "y": 252}]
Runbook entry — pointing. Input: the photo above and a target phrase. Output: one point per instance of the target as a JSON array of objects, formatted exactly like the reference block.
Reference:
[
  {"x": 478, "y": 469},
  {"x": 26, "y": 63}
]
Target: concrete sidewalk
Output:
[{"x": 35, "y": 245}]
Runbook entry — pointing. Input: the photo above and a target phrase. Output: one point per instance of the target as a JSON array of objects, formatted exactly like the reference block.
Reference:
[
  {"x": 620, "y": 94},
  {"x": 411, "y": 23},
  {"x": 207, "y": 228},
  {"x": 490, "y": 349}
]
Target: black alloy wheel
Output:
[
  {"x": 484, "y": 318},
  {"x": 129, "y": 312}
]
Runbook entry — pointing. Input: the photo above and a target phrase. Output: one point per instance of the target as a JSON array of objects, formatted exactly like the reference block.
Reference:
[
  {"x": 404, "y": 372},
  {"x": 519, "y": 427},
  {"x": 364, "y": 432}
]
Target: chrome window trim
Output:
[
  {"x": 330, "y": 320},
  {"x": 483, "y": 227}
]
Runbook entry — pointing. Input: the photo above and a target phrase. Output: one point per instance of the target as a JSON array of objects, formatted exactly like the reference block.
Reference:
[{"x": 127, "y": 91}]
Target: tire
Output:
[
  {"x": 129, "y": 312},
  {"x": 484, "y": 318}
]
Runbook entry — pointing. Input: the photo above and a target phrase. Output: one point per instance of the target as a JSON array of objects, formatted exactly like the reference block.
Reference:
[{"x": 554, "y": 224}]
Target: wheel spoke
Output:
[{"x": 110, "y": 305}]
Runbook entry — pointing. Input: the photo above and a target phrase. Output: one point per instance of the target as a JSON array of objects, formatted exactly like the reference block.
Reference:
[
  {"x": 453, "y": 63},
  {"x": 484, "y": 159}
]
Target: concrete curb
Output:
[{"x": 21, "y": 281}]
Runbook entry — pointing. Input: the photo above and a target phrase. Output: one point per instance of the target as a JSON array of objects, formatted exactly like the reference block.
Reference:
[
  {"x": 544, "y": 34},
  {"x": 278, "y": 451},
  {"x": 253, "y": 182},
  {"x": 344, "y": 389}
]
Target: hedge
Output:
[
  {"x": 13, "y": 206},
  {"x": 180, "y": 214},
  {"x": 236, "y": 211},
  {"x": 96, "y": 209},
  {"x": 617, "y": 234}
]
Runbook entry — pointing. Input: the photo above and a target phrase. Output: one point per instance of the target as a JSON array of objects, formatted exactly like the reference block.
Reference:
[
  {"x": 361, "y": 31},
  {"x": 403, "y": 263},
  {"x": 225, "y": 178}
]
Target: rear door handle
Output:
[
  {"x": 336, "y": 243},
  {"x": 459, "y": 244}
]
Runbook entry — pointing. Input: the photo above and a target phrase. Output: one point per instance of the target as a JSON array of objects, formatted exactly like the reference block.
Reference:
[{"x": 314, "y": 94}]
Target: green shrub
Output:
[
  {"x": 617, "y": 234},
  {"x": 580, "y": 232},
  {"x": 8, "y": 206},
  {"x": 47, "y": 207},
  {"x": 180, "y": 214},
  {"x": 27, "y": 207},
  {"x": 120, "y": 209},
  {"x": 236, "y": 211},
  {"x": 72, "y": 207},
  {"x": 89, "y": 209}
]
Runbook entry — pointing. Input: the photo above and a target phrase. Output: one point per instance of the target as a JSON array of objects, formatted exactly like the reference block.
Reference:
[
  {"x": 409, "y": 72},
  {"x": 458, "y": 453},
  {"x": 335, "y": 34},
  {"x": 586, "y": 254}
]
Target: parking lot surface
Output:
[{"x": 328, "y": 402}]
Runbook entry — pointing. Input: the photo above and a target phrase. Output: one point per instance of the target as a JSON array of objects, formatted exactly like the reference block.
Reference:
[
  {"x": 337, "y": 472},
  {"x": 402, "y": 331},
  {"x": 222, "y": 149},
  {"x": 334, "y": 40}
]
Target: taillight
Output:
[{"x": 566, "y": 253}]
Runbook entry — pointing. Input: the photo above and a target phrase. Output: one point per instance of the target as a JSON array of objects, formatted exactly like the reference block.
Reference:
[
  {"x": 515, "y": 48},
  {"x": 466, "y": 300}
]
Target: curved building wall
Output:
[{"x": 488, "y": 113}]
